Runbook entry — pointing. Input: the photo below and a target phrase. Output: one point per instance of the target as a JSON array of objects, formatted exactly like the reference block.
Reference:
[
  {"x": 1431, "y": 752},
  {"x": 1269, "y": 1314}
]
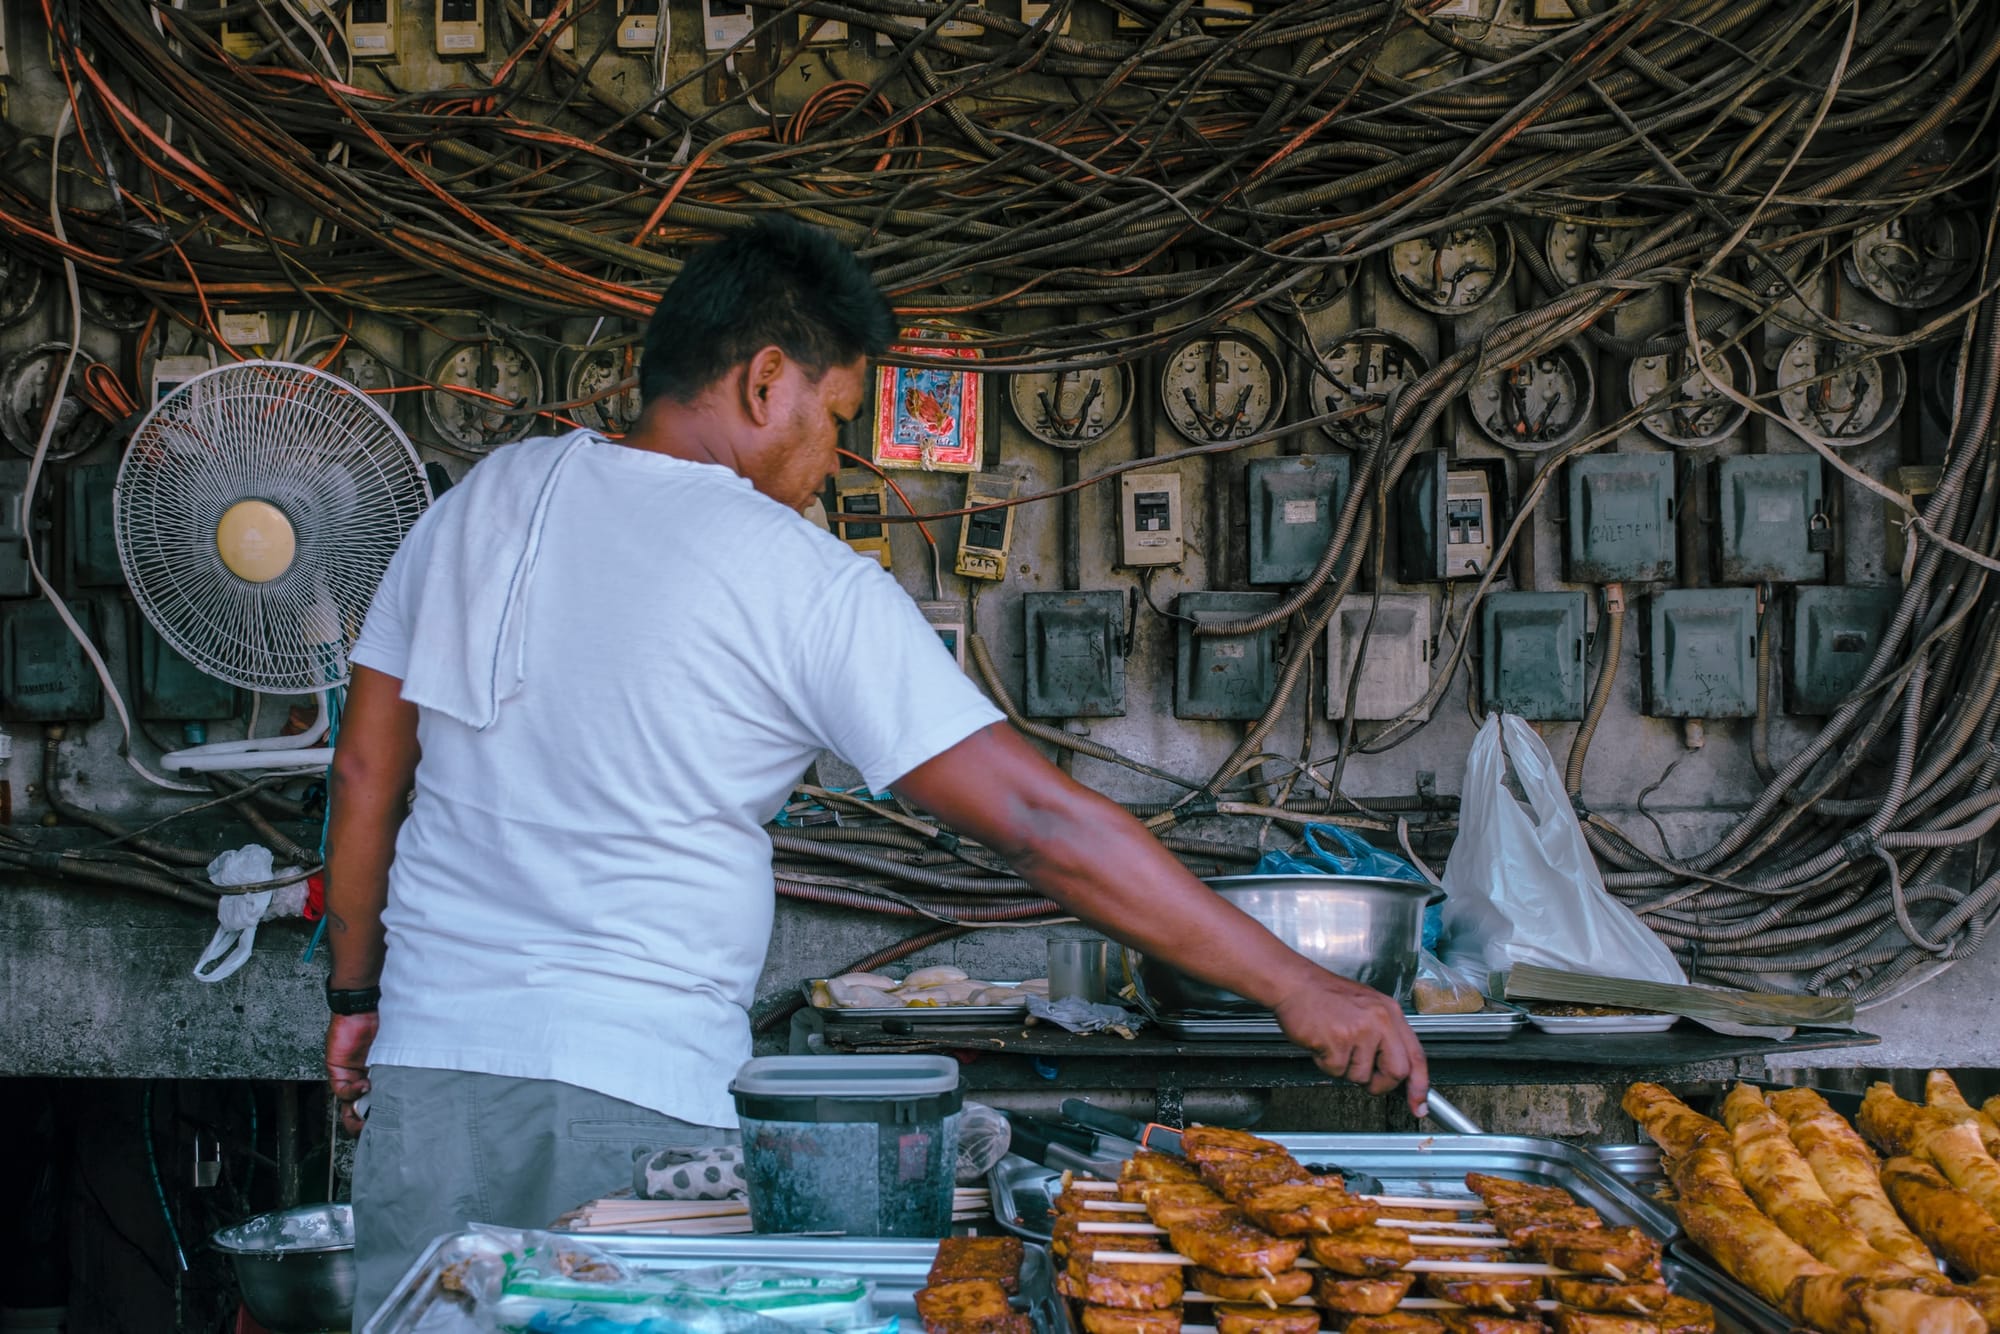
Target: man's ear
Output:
[{"x": 760, "y": 378}]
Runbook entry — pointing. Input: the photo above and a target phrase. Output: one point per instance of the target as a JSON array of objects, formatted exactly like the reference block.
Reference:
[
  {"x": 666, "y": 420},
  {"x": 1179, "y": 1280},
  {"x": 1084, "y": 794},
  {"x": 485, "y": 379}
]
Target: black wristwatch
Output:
[{"x": 359, "y": 1000}]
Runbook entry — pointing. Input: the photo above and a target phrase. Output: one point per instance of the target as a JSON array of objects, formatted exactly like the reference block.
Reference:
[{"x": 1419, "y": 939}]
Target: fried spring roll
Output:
[
  {"x": 1941, "y": 1092},
  {"x": 1673, "y": 1125},
  {"x": 1723, "y": 1220},
  {"x": 1956, "y": 1227},
  {"x": 1846, "y": 1170},
  {"x": 1783, "y": 1184},
  {"x": 1909, "y": 1312}
]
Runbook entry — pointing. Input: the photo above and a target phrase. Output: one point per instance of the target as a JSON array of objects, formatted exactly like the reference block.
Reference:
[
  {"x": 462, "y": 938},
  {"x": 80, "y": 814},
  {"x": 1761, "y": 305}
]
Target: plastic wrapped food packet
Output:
[
  {"x": 1441, "y": 989},
  {"x": 983, "y": 1137}
]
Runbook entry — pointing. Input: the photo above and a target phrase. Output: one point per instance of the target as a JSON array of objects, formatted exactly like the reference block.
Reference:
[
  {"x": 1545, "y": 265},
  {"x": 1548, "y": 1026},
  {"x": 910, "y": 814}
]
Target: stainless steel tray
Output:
[
  {"x": 917, "y": 1014},
  {"x": 1496, "y": 1023},
  {"x": 897, "y": 1267},
  {"x": 1436, "y": 1165}
]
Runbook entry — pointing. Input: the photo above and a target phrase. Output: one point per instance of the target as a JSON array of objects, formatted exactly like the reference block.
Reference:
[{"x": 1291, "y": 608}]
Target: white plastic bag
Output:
[
  {"x": 1522, "y": 885},
  {"x": 238, "y": 914}
]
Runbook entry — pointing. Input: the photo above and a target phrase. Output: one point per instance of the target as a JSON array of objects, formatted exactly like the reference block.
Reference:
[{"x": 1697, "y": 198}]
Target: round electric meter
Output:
[
  {"x": 26, "y": 382},
  {"x": 1221, "y": 386},
  {"x": 353, "y": 363},
  {"x": 1917, "y": 259},
  {"x": 1329, "y": 283},
  {"x": 1578, "y": 251},
  {"x": 493, "y": 376},
  {"x": 116, "y": 308},
  {"x": 20, "y": 287},
  {"x": 1696, "y": 412},
  {"x": 593, "y": 386},
  {"x": 1358, "y": 372},
  {"x": 1070, "y": 409},
  {"x": 1452, "y": 271},
  {"x": 1829, "y": 394},
  {"x": 1538, "y": 404}
]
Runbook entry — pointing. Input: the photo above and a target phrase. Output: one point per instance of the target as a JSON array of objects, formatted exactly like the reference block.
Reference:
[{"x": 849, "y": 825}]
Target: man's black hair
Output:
[{"x": 776, "y": 283}]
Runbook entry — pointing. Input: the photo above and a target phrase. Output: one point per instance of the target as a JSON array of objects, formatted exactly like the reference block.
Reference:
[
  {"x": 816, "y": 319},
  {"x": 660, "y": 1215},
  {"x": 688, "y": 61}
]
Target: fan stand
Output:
[{"x": 276, "y": 752}]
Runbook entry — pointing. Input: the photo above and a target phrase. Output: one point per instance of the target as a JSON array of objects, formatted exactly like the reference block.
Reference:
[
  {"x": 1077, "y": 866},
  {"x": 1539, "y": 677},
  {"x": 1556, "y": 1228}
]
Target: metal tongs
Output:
[{"x": 1446, "y": 1113}]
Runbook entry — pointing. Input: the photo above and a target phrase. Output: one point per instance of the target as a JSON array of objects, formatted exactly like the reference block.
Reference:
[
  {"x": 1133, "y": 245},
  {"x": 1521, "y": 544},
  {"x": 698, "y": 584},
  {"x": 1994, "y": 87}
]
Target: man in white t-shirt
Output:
[{"x": 601, "y": 668}]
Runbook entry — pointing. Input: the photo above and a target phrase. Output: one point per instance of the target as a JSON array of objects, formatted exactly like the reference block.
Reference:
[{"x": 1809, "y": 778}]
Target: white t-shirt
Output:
[{"x": 583, "y": 891}]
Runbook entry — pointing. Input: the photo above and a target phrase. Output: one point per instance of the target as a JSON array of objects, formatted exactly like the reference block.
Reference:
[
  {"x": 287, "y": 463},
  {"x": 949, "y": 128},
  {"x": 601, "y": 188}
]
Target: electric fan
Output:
[{"x": 256, "y": 510}]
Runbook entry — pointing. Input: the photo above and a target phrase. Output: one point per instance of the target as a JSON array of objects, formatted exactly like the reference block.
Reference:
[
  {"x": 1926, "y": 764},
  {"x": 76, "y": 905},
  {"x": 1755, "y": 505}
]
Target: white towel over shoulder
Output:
[{"x": 467, "y": 623}]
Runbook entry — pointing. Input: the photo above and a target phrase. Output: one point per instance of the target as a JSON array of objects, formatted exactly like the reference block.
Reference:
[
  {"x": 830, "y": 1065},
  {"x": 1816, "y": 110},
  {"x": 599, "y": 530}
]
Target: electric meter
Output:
[
  {"x": 1329, "y": 283},
  {"x": 593, "y": 387},
  {"x": 948, "y": 619},
  {"x": 353, "y": 363},
  {"x": 638, "y": 24},
  {"x": 1221, "y": 386},
  {"x": 170, "y": 373},
  {"x": 20, "y": 287},
  {"x": 243, "y": 328},
  {"x": 371, "y": 29},
  {"x": 1070, "y": 409},
  {"x": 461, "y": 27},
  {"x": 858, "y": 497},
  {"x": 1695, "y": 411},
  {"x": 1578, "y": 251},
  {"x": 479, "y": 383},
  {"x": 983, "y": 538},
  {"x": 1149, "y": 519},
  {"x": 1916, "y": 259},
  {"x": 121, "y": 309},
  {"x": 724, "y": 24},
  {"x": 26, "y": 384},
  {"x": 1829, "y": 394},
  {"x": 565, "y": 29},
  {"x": 1358, "y": 372},
  {"x": 1538, "y": 404},
  {"x": 1454, "y": 270}
]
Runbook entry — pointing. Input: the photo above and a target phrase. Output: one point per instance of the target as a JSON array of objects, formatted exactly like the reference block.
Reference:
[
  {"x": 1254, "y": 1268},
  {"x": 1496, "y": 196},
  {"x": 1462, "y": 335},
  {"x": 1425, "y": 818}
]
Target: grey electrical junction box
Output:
[
  {"x": 16, "y": 581},
  {"x": 1835, "y": 632},
  {"x": 1075, "y": 654},
  {"x": 1621, "y": 518},
  {"x": 1294, "y": 502},
  {"x": 44, "y": 677},
  {"x": 1447, "y": 518},
  {"x": 1701, "y": 653},
  {"x": 1531, "y": 655},
  {"x": 172, "y": 689},
  {"x": 1217, "y": 677},
  {"x": 92, "y": 544},
  {"x": 1770, "y": 506},
  {"x": 1396, "y": 665}
]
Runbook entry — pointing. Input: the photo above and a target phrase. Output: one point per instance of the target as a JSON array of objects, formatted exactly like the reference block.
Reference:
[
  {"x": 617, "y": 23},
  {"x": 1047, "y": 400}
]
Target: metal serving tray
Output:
[
  {"x": 1496, "y": 1023},
  {"x": 1436, "y": 1165},
  {"x": 897, "y": 1267},
  {"x": 917, "y": 1014},
  {"x": 1724, "y": 1293}
]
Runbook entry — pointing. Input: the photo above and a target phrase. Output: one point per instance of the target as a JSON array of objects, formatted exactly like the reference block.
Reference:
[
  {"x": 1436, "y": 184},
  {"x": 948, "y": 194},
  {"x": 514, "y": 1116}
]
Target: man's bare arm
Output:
[
  {"x": 1088, "y": 854},
  {"x": 374, "y": 764}
]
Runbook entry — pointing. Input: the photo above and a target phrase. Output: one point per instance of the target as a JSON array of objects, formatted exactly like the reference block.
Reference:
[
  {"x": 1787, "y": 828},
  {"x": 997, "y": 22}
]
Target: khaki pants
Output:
[{"x": 443, "y": 1148}]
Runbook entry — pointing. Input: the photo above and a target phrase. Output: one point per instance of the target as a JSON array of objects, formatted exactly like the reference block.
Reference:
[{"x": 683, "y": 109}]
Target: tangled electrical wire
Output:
[{"x": 1078, "y": 199}]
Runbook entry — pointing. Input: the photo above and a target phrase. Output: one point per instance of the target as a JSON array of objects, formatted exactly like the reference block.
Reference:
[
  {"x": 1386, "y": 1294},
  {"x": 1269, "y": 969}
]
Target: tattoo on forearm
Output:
[{"x": 335, "y": 922}]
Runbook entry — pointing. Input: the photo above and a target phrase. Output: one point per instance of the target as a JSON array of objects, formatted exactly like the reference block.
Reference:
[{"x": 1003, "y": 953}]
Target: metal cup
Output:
[{"x": 1079, "y": 968}]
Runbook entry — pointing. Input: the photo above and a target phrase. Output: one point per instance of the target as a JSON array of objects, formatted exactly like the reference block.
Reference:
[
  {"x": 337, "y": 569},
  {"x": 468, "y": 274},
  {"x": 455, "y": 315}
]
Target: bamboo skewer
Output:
[
  {"x": 1465, "y": 1204},
  {"x": 1413, "y": 1267},
  {"x": 1155, "y": 1230}
]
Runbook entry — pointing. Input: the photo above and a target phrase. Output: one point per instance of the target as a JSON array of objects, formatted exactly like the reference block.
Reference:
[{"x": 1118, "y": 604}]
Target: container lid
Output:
[
  {"x": 872, "y": 1077},
  {"x": 305, "y": 1230}
]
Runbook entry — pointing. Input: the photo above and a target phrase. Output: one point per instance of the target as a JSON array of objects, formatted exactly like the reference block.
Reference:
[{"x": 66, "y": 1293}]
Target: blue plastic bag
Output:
[{"x": 1355, "y": 856}]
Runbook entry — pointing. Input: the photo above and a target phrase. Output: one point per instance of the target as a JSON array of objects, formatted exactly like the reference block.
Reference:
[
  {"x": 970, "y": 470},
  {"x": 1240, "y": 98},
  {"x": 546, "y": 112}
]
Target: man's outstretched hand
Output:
[
  {"x": 1358, "y": 1034},
  {"x": 348, "y": 1038}
]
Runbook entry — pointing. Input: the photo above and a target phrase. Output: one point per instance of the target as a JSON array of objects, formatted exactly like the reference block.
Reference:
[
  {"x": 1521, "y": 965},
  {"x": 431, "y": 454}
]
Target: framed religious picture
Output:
[{"x": 931, "y": 416}]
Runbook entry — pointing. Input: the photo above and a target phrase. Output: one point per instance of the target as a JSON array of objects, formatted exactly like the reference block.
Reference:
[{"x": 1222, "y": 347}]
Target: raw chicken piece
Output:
[
  {"x": 877, "y": 981},
  {"x": 931, "y": 977},
  {"x": 848, "y": 996}
]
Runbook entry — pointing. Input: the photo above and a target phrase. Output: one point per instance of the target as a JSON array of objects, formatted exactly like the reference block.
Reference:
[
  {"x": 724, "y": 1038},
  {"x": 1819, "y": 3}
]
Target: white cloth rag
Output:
[
  {"x": 238, "y": 914},
  {"x": 468, "y": 635}
]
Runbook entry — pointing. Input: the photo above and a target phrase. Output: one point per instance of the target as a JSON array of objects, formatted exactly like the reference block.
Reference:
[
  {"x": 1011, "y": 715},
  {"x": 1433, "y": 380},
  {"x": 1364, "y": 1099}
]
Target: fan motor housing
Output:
[{"x": 256, "y": 541}]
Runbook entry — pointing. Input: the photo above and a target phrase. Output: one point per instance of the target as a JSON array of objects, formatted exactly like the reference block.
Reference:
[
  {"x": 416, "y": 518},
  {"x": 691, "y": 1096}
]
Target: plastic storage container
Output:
[{"x": 861, "y": 1145}]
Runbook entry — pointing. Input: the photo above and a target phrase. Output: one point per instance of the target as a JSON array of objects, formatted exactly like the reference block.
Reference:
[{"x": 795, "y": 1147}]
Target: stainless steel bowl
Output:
[
  {"x": 1361, "y": 927},
  {"x": 295, "y": 1267}
]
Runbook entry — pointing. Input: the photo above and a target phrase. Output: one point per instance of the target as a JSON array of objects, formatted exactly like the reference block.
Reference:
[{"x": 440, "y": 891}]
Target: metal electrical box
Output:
[
  {"x": 1224, "y": 678},
  {"x": 172, "y": 689},
  {"x": 1531, "y": 655},
  {"x": 983, "y": 538},
  {"x": 44, "y": 677},
  {"x": 1701, "y": 653},
  {"x": 1774, "y": 522},
  {"x": 1294, "y": 502},
  {"x": 15, "y": 579},
  {"x": 855, "y": 500},
  {"x": 1075, "y": 654},
  {"x": 1149, "y": 519},
  {"x": 1835, "y": 632},
  {"x": 1396, "y": 665},
  {"x": 948, "y": 619},
  {"x": 1621, "y": 518},
  {"x": 92, "y": 546},
  {"x": 1447, "y": 519}
]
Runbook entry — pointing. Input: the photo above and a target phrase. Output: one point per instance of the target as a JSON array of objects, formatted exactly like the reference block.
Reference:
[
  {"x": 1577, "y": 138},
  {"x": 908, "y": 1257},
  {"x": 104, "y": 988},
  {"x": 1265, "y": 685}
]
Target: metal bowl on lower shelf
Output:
[
  {"x": 1360, "y": 927},
  {"x": 295, "y": 1267}
]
